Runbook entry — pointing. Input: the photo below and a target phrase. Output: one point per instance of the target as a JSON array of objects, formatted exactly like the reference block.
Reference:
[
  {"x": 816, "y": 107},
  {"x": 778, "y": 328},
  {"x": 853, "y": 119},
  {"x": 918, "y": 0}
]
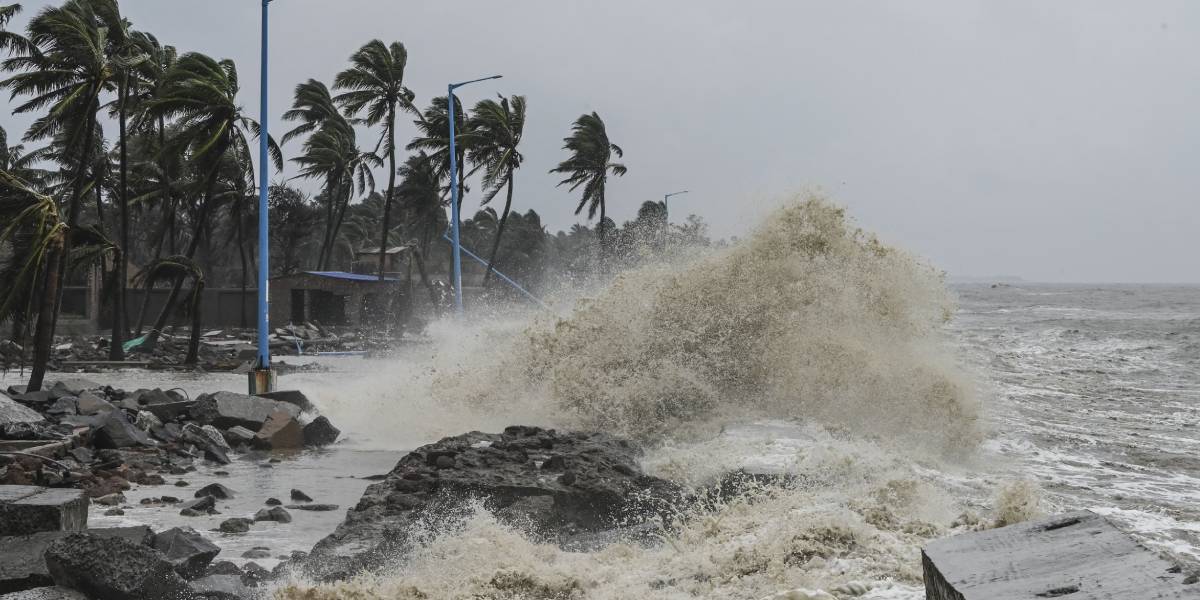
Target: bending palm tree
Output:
[
  {"x": 201, "y": 94},
  {"x": 589, "y": 165},
  {"x": 31, "y": 225},
  {"x": 375, "y": 83},
  {"x": 177, "y": 268},
  {"x": 496, "y": 129}
]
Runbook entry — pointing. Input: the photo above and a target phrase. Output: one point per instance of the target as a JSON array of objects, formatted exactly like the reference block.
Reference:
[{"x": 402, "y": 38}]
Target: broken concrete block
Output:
[
  {"x": 112, "y": 568},
  {"x": 89, "y": 403},
  {"x": 1077, "y": 555},
  {"x": 116, "y": 431},
  {"x": 291, "y": 397},
  {"x": 228, "y": 409},
  {"x": 238, "y": 435},
  {"x": 13, "y": 412},
  {"x": 189, "y": 551},
  {"x": 21, "y": 563},
  {"x": 280, "y": 431},
  {"x": 28, "y": 509}
]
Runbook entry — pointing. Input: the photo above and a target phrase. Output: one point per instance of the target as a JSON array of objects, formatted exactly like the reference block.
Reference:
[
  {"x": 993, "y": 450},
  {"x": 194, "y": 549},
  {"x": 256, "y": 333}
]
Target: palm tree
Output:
[
  {"x": 65, "y": 67},
  {"x": 419, "y": 193},
  {"x": 495, "y": 130},
  {"x": 375, "y": 83},
  {"x": 313, "y": 108},
  {"x": 200, "y": 93},
  {"x": 177, "y": 268},
  {"x": 32, "y": 227},
  {"x": 589, "y": 165},
  {"x": 9, "y": 40}
]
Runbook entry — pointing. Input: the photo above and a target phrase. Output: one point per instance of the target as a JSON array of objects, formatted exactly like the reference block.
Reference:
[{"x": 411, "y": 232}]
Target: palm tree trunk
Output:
[
  {"x": 116, "y": 349},
  {"x": 387, "y": 201},
  {"x": 603, "y": 236},
  {"x": 193, "y": 352},
  {"x": 201, "y": 218},
  {"x": 330, "y": 212},
  {"x": 499, "y": 231},
  {"x": 44, "y": 338},
  {"x": 337, "y": 226}
]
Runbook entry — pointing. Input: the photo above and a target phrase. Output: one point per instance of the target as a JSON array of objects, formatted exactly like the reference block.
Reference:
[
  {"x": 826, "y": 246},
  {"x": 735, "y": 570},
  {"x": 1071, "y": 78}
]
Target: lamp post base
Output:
[{"x": 262, "y": 381}]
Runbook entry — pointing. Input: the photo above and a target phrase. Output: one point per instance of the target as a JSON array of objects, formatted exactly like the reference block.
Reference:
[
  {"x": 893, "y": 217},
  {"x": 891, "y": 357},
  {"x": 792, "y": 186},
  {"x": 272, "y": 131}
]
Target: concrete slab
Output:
[
  {"x": 1076, "y": 556},
  {"x": 28, "y": 509},
  {"x": 22, "y": 566}
]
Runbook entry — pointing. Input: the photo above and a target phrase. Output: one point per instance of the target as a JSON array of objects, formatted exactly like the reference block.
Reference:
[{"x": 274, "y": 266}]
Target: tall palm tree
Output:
[
  {"x": 496, "y": 129},
  {"x": 375, "y": 83},
  {"x": 200, "y": 93},
  {"x": 313, "y": 107},
  {"x": 589, "y": 165},
  {"x": 31, "y": 226},
  {"x": 66, "y": 67},
  {"x": 177, "y": 268}
]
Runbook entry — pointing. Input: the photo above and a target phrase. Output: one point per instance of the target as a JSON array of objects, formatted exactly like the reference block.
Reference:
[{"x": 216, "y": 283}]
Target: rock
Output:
[
  {"x": 110, "y": 499},
  {"x": 146, "y": 421},
  {"x": 74, "y": 386},
  {"x": 187, "y": 550},
  {"x": 67, "y": 405},
  {"x": 300, "y": 496},
  {"x": 144, "y": 397},
  {"x": 293, "y": 397},
  {"x": 216, "y": 454},
  {"x": 89, "y": 403},
  {"x": 45, "y": 593},
  {"x": 235, "y": 525},
  {"x": 314, "y": 507},
  {"x": 273, "y": 502},
  {"x": 112, "y": 569},
  {"x": 320, "y": 432},
  {"x": 280, "y": 431},
  {"x": 216, "y": 490},
  {"x": 227, "y": 409},
  {"x": 21, "y": 563},
  {"x": 204, "y": 436},
  {"x": 221, "y": 586},
  {"x": 1075, "y": 555},
  {"x": 201, "y": 505},
  {"x": 29, "y": 509},
  {"x": 114, "y": 512},
  {"x": 503, "y": 470},
  {"x": 12, "y": 412},
  {"x": 257, "y": 552},
  {"x": 216, "y": 436},
  {"x": 222, "y": 567},
  {"x": 117, "y": 432},
  {"x": 238, "y": 435},
  {"x": 277, "y": 514},
  {"x": 169, "y": 411}
]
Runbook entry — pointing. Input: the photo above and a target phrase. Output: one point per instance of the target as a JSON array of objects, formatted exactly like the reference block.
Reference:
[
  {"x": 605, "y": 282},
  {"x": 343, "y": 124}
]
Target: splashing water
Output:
[{"x": 825, "y": 344}]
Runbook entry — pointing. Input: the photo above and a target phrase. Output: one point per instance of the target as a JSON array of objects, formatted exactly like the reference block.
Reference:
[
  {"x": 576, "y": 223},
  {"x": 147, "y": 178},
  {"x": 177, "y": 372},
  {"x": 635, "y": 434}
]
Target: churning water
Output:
[{"x": 904, "y": 410}]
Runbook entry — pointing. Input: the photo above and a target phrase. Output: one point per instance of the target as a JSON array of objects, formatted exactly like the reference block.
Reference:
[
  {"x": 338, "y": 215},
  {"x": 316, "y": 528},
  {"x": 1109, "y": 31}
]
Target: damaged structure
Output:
[{"x": 335, "y": 298}]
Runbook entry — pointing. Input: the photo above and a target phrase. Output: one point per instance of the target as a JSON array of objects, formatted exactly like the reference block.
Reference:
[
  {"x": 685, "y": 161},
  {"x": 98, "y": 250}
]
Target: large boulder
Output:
[
  {"x": 320, "y": 432},
  {"x": 23, "y": 567},
  {"x": 117, "y": 431},
  {"x": 26, "y": 509},
  {"x": 113, "y": 569},
  {"x": 187, "y": 550},
  {"x": 13, "y": 412},
  {"x": 280, "y": 431},
  {"x": 559, "y": 484},
  {"x": 229, "y": 409}
]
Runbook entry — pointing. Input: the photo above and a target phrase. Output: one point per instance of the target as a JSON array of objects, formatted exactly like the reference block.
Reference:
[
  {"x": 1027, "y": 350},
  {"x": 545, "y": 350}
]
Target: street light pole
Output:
[
  {"x": 666, "y": 211},
  {"x": 262, "y": 379},
  {"x": 454, "y": 220}
]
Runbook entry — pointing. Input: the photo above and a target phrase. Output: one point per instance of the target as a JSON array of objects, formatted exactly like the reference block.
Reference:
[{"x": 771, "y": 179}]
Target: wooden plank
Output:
[{"x": 1075, "y": 556}]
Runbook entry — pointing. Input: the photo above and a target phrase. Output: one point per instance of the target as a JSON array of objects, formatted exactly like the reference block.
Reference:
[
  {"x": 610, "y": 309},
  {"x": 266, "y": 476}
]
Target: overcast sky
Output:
[{"x": 1055, "y": 141}]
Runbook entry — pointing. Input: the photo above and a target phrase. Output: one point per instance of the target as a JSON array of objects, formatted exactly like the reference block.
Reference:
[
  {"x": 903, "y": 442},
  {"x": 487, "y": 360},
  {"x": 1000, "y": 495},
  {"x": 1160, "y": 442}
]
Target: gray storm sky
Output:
[{"x": 1054, "y": 141}]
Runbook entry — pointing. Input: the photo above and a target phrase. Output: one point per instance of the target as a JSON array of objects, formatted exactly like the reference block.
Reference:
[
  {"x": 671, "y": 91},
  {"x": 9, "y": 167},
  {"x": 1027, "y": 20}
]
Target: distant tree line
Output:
[{"x": 172, "y": 191}]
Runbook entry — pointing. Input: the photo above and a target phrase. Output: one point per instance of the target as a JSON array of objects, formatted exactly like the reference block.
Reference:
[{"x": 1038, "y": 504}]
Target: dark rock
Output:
[
  {"x": 30, "y": 509},
  {"x": 110, "y": 499},
  {"x": 253, "y": 573},
  {"x": 238, "y": 435},
  {"x": 201, "y": 505},
  {"x": 320, "y": 432},
  {"x": 227, "y": 409},
  {"x": 291, "y": 397},
  {"x": 216, "y": 490},
  {"x": 146, "y": 397},
  {"x": 38, "y": 399},
  {"x": 89, "y": 403},
  {"x": 313, "y": 507},
  {"x": 66, "y": 405},
  {"x": 21, "y": 563},
  {"x": 300, "y": 496},
  {"x": 168, "y": 432},
  {"x": 117, "y": 432},
  {"x": 114, "y": 512},
  {"x": 257, "y": 553},
  {"x": 187, "y": 550},
  {"x": 277, "y": 514},
  {"x": 181, "y": 483},
  {"x": 280, "y": 431},
  {"x": 74, "y": 386},
  {"x": 169, "y": 411},
  {"x": 273, "y": 502},
  {"x": 216, "y": 454},
  {"x": 221, "y": 587},
  {"x": 223, "y": 567},
  {"x": 112, "y": 569},
  {"x": 82, "y": 454},
  {"x": 235, "y": 525},
  {"x": 601, "y": 488}
]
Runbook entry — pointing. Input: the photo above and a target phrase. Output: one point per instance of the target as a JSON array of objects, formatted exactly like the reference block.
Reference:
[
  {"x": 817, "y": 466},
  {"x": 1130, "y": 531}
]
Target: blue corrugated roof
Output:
[{"x": 349, "y": 276}]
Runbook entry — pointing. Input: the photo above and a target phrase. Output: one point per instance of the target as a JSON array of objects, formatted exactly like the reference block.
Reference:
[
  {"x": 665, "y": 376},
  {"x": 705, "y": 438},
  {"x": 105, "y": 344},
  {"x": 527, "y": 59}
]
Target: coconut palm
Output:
[
  {"x": 31, "y": 226},
  {"x": 420, "y": 195},
  {"x": 313, "y": 108},
  {"x": 200, "y": 93},
  {"x": 10, "y": 41},
  {"x": 495, "y": 130},
  {"x": 589, "y": 165},
  {"x": 178, "y": 268},
  {"x": 375, "y": 84}
]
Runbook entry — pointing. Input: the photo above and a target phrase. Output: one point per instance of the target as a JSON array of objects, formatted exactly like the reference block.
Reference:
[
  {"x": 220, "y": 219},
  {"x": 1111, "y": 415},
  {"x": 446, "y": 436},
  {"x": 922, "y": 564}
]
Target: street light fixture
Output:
[
  {"x": 666, "y": 211},
  {"x": 262, "y": 379},
  {"x": 456, "y": 251}
]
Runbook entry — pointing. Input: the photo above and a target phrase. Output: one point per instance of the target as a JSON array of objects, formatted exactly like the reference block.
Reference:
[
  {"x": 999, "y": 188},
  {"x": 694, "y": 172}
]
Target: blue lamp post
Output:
[
  {"x": 262, "y": 379},
  {"x": 456, "y": 251}
]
